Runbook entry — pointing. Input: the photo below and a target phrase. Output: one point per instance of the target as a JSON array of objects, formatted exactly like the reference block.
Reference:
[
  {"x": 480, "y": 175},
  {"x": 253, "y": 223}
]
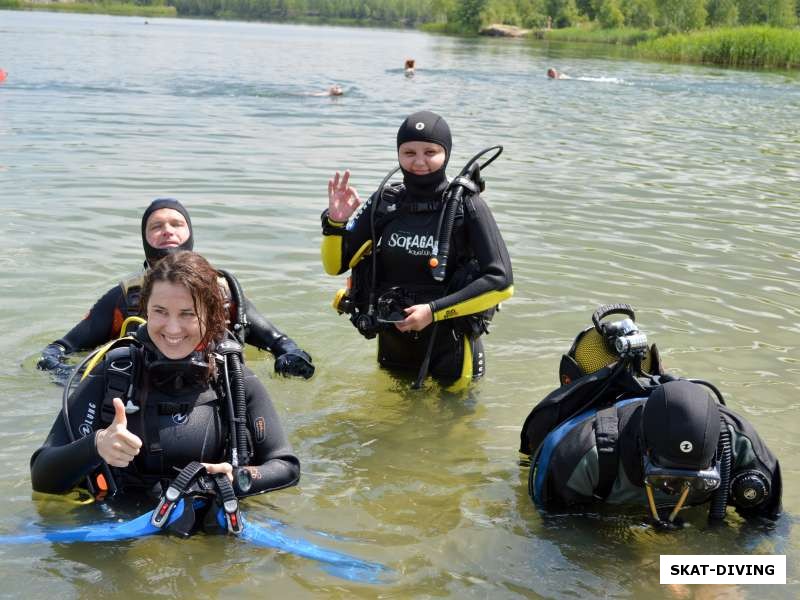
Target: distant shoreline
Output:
[{"x": 753, "y": 47}]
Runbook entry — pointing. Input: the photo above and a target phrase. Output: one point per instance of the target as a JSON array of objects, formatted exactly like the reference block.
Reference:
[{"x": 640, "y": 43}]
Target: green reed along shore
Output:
[
  {"x": 750, "y": 46},
  {"x": 734, "y": 47},
  {"x": 754, "y": 46}
]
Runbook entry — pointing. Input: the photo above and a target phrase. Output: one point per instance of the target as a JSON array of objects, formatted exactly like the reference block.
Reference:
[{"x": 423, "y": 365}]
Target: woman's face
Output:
[
  {"x": 421, "y": 158},
  {"x": 166, "y": 228},
  {"x": 172, "y": 322}
]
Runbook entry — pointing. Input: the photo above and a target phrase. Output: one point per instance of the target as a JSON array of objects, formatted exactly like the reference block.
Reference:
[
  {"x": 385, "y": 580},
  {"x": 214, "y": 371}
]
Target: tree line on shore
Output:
[
  {"x": 743, "y": 33},
  {"x": 470, "y": 16}
]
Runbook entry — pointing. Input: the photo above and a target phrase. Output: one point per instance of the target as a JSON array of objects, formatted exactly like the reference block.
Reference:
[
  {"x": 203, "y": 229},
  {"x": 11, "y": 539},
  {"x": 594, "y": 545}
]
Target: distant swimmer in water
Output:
[
  {"x": 3, "y": 75},
  {"x": 553, "y": 74},
  {"x": 334, "y": 90},
  {"x": 408, "y": 68}
]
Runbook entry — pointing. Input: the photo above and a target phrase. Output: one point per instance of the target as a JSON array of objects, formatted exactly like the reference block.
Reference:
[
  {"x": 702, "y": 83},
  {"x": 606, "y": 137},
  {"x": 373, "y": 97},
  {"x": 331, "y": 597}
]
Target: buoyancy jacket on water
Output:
[
  {"x": 178, "y": 416},
  {"x": 620, "y": 428},
  {"x": 597, "y": 456}
]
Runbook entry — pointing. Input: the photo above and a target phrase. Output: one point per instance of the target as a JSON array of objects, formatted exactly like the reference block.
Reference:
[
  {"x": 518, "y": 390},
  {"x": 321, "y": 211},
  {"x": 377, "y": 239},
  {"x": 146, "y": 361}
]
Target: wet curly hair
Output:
[{"x": 194, "y": 272}]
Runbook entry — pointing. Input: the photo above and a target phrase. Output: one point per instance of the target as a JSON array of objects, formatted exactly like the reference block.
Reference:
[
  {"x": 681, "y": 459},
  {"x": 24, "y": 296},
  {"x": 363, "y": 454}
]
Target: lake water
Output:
[{"x": 673, "y": 188}]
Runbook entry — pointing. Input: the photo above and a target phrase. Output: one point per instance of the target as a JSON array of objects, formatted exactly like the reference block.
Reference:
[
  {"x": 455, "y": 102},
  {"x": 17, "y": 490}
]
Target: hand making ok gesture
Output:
[{"x": 343, "y": 199}]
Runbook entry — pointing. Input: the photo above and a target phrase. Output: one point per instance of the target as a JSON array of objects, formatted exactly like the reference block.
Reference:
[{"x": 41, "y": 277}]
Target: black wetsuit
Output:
[
  {"x": 406, "y": 229},
  {"x": 177, "y": 424}
]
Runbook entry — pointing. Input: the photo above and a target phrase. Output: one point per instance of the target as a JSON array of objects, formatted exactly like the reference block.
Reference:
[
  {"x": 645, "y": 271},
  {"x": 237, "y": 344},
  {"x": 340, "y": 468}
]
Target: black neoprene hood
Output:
[
  {"x": 152, "y": 254},
  {"x": 426, "y": 126},
  {"x": 681, "y": 425}
]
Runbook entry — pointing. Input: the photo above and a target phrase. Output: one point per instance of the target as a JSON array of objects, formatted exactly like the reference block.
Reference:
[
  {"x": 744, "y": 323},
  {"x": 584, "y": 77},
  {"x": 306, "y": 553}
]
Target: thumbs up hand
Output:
[{"x": 115, "y": 444}]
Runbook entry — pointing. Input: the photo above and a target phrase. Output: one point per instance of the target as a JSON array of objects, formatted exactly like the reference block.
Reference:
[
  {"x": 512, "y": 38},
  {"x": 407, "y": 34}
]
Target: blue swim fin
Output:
[
  {"x": 336, "y": 563},
  {"x": 105, "y": 532}
]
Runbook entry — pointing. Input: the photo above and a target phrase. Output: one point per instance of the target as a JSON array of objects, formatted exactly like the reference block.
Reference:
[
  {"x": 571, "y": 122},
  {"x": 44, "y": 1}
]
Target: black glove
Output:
[
  {"x": 53, "y": 360},
  {"x": 295, "y": 363},
  {"x": 51, "y": 357}
]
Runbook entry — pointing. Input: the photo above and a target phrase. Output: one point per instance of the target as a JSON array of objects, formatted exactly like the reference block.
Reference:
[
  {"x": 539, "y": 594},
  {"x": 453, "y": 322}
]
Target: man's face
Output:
[{"x": 166, "y": 228}]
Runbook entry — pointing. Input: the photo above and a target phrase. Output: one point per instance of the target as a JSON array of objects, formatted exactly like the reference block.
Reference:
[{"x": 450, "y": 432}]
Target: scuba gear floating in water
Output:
[
  {"x": 674, "y": 440},
  {"x": 194, "y": 492}
]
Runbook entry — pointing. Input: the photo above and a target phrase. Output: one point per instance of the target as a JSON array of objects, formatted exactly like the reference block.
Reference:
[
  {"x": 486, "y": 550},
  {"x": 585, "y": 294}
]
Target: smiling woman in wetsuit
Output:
[
  {"x": 423, "y": 320},
  {"x": 167, "y": 228},
  {"x": 152, "y": 406}
]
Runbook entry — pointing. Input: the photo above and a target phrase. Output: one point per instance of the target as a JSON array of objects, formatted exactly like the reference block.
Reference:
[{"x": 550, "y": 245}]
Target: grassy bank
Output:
[
  {"x": 102, "y": 8},
  {"x": 735, "y": 47},
  {"x": 627, "y": 36}
]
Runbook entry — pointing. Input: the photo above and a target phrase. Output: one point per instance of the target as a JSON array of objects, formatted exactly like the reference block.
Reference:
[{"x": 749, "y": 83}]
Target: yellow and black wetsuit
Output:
[{"x": 406, "y": 223}]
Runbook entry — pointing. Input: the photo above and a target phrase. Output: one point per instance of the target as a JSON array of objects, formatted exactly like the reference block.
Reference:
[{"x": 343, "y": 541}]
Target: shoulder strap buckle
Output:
[{"x": 606, "y": 434}]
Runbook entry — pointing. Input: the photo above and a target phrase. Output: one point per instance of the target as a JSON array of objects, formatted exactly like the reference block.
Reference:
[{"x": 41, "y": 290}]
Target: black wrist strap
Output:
[{"x": 330, "y": 227}]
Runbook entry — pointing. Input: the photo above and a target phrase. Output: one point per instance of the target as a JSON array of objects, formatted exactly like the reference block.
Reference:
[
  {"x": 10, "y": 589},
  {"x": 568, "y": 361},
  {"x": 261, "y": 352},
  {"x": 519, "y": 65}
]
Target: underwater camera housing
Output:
[
  {"x": 389, "y": 308},
  {"x": 391, "y": 305},
  {"x": 622, "y": 337}
]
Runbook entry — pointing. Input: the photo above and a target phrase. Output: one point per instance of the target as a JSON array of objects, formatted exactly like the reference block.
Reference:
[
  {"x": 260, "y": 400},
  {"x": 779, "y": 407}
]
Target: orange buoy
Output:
[{"x": 3, "y": 75}]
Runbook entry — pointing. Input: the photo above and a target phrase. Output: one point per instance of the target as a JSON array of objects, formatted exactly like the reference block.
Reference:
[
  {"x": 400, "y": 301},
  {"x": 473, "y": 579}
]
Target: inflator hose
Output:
[
  {"x": 446, "y": 231},
  {"x": 719, "y": 501},
  {"x": 239, "y": 406},
  {"x": 240, "y": 326}
]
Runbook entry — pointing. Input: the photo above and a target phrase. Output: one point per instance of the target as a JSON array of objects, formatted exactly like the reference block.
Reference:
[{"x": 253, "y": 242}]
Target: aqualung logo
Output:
[
  {"x": 420, "y": 126},
  {"x": 413, "y": 244},
  {"x": 86, "y": 428},
  {"x": 354, "y": 217},
  {"x": 686, "y": 446},
  {"x": 180, "y": 418}
]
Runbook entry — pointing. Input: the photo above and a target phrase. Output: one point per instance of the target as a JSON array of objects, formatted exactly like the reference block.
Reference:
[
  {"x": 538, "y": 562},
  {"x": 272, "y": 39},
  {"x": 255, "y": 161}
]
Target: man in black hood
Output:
[{"x": 167, "y": 228}]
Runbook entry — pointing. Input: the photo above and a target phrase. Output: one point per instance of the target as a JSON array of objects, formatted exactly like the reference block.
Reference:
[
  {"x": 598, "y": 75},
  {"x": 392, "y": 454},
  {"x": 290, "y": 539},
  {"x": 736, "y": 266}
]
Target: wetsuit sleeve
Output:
[
  {"x": 495, "y": 280},
  {"x": 343, "y": 241},
  {"x": 262, "y": 334},
  {"x": 750, "y": 453},
  {"x": 100, "y": 325},
  {"x": 274, "y": 465},
  {"x": 60, "y": 465}
]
